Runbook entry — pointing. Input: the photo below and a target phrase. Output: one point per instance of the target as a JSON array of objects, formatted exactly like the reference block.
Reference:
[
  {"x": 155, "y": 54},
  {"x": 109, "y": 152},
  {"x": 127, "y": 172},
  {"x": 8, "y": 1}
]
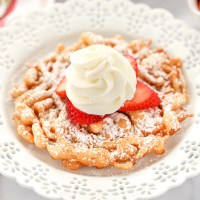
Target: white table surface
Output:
[{"x": 10, "y": 190}]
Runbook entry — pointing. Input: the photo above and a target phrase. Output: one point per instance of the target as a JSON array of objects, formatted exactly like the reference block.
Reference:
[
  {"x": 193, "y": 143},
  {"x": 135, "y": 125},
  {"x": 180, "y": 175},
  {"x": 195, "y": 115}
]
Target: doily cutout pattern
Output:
[{"x": 25, "y": 36}]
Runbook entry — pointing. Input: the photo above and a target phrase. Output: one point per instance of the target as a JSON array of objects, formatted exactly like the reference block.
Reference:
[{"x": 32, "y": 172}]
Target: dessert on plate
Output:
[{"x": 101, "y": 102}]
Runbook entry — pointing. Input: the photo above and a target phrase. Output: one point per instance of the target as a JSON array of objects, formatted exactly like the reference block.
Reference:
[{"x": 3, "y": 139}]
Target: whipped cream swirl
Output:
[{"x": 99, "y": 80}]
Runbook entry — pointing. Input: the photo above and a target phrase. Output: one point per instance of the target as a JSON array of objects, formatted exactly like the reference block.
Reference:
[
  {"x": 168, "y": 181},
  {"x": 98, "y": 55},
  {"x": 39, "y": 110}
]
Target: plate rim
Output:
[{"x": 14, "y": 24}]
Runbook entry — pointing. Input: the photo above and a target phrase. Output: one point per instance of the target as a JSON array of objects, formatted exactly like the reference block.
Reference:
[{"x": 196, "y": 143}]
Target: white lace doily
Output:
[{"x": 32, "y": 37}]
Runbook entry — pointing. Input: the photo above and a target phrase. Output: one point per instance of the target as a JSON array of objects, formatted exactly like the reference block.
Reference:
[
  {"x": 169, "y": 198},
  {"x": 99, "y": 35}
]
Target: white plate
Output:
[{"x": 32, "y": 37}]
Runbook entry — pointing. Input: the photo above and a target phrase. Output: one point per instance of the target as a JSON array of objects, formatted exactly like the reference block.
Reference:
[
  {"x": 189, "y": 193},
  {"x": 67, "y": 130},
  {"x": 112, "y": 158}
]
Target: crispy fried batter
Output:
[{"x": 120, "y": 139}]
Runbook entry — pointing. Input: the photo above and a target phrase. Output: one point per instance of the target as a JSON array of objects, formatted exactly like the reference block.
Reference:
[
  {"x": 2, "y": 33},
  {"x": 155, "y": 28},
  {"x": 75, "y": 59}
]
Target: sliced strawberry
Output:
[
  {"x": 80, "y": 117},
  {"x": 144, "y": 98},
  {"x": 133, "y": 62},
  {"x": 61, "y": 88}
]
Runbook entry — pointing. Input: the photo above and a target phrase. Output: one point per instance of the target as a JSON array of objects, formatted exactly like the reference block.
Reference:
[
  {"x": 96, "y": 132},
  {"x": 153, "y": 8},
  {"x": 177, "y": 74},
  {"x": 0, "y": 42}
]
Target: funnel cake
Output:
[{"x": 120, "y": 139}]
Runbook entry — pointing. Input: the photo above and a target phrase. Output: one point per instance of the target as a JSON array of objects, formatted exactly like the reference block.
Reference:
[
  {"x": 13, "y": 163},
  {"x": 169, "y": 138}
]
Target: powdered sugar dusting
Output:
[{"x": 120, "y": 139}]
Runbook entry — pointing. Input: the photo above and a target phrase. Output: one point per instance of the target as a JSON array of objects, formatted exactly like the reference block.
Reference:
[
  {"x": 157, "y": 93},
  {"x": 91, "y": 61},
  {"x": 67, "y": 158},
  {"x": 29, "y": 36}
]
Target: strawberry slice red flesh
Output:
[
  {"x": 61, "y": 88},
  {"x": 80, "y": 117},
  {"x": 133, "y": 62},
  {"x": 144, "y": 98}
]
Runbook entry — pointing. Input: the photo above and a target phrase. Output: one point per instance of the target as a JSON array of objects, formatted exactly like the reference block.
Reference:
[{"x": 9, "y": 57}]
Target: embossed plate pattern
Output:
[{"x": 31, "y": 35}]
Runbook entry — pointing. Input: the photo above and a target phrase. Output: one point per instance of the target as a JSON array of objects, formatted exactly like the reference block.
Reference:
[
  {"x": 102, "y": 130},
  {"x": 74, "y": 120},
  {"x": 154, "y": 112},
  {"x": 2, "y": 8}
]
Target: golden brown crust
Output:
[{"x": 120, "y": 139}]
